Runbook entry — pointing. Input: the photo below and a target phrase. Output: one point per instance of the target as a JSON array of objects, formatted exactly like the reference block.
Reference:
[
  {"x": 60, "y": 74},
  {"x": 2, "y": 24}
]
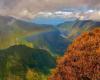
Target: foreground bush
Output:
[{"x": 82, "y": 59}]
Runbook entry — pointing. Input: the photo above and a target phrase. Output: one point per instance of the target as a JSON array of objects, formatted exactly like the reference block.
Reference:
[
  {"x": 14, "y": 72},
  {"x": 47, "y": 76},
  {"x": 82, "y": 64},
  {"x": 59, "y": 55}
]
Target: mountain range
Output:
[
  {"x": 11, "y": 29},
  {"x": 72, "y": 29},
  {"x": 43, "y": 36},
  {"x": 28, "y": 51}
]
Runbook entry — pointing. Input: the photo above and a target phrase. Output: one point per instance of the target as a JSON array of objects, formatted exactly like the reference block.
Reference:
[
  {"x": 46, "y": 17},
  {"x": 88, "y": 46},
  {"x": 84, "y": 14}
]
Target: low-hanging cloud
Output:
[{"x": 29, "y": 8}]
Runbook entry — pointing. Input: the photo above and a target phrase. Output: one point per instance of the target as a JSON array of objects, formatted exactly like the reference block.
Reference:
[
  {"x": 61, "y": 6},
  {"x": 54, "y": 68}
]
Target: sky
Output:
[{"x": 29, "y": 9}]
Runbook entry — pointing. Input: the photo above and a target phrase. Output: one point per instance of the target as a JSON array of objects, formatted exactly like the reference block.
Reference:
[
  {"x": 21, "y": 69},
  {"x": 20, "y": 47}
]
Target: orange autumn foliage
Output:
[{"x": 82, "y": 59}]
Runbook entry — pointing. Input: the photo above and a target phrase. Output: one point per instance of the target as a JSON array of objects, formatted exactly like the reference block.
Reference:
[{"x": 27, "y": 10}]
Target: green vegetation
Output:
[{"x": 24, "y": 63}]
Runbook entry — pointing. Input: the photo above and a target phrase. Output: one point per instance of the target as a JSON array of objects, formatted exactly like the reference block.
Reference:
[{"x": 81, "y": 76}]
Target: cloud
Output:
[
  {"x": 46, "y": 14},
  {"x": 95, "y": 15},
  {"x": 62, "y": 14},
  {"x": 30, "y": 8},
  {"x": 86, "y": 15}
]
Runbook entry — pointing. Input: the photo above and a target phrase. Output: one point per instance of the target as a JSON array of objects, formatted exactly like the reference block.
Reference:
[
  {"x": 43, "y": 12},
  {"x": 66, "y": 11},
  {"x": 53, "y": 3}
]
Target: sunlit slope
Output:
[
  {"x": 12, "y": 29},
  {"x": 73, "y": 28}
]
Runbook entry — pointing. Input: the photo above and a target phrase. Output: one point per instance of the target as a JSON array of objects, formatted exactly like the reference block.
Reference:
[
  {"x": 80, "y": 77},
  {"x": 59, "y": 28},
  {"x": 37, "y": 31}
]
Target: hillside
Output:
[
  {"x": 51, "y": 41},
  {"x": 18, "y": 60},
  {"x": 73, "y": 28},
  {"x": 11, "y": 30}
]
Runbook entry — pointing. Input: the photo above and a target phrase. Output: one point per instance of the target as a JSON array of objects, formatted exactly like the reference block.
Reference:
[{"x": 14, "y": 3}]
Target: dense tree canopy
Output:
[
  {"x": 20, "y": 62},
  {"x": 82, "y": 59}
]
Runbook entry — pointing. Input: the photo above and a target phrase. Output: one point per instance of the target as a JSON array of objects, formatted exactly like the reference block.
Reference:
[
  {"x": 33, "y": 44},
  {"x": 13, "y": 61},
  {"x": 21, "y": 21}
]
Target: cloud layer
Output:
[
  {"x": 30, "y": 8},
  {"x": 86, "y": 15}
]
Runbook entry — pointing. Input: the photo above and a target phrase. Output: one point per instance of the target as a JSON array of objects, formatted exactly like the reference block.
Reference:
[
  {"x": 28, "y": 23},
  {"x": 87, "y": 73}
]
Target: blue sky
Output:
[{"x": 53, "y": 21}]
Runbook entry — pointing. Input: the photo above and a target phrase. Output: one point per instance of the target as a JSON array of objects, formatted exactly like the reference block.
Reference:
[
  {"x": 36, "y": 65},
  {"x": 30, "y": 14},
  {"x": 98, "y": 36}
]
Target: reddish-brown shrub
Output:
[{"x": 82, "y": 59}]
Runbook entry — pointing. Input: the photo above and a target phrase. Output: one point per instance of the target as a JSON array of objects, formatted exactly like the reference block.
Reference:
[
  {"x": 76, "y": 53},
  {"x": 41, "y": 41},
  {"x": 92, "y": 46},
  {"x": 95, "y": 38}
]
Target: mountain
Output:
[
  {"x": 86, "y": 23},
  {"x": 51, "y": 41},
  {"x": 10, "y": 21},
  {"x": 66, "y": 27},
  {"x": 74, "y": 28},
  {"x": 41, "y": 36},
  {"x": 17, "y": 60},
  {"x": 66, "y": 24},
  {"x": 57, "y": 40},
  {"x": 12, "y": 29}
]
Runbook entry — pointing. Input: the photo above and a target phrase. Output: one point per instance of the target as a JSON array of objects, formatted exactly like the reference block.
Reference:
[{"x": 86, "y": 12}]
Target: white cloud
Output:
[
  {"x": 89, "y": 14},
  {"x": 95, "y": 15},
  {"x": 46, "y": 14},
  {"x": 62, "y": 14},
  {"x": 25, "y": 13},
  {"x": 99, "y": 12},
  {"x": 90, "y": 11}
]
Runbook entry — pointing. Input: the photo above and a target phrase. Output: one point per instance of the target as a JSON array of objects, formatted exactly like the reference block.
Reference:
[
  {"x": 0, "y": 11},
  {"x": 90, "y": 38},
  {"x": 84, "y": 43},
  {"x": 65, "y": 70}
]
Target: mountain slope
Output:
[
  {"x": 74, "y": 28},
  {"x": 51, "y": 41},
  {"x": 12, "y": 29},
  {"x": 16, "y": 60}
]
